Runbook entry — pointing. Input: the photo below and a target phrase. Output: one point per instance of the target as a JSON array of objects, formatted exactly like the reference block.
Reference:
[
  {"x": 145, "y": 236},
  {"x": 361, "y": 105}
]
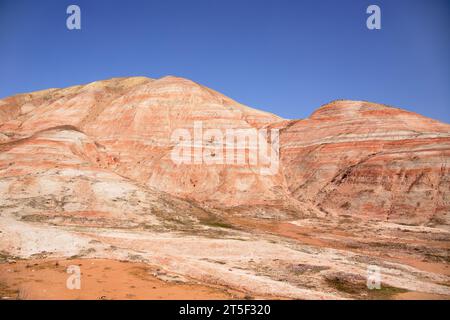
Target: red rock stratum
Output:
[
  {"x": 348, "y": 157},
  {"x": 87, "y": 172}
]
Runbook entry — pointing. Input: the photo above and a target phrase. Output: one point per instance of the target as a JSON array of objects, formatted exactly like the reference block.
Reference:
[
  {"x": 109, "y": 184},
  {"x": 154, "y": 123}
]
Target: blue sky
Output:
[{"x": 286, "y": 57}]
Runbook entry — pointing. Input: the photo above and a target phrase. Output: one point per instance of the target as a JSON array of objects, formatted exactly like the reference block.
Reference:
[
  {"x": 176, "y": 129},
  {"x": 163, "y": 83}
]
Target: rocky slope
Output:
[
  {"x": 88, "y": 172},
  {"x": 360, "y": 158},
  {"x": 348, "y": 157}
]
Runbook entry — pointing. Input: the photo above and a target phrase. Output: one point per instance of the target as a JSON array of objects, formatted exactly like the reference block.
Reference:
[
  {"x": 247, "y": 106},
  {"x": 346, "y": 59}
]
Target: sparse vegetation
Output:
[
  {"x": 7, "y": 292},
  {"x": 5, "y": 257},
  {"x": 215, "y": 222},
  {"x": 358, "y": 288}
]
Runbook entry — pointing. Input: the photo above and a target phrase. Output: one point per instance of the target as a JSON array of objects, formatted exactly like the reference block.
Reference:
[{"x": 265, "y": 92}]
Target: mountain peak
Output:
[{"x": 348, "y": 108}]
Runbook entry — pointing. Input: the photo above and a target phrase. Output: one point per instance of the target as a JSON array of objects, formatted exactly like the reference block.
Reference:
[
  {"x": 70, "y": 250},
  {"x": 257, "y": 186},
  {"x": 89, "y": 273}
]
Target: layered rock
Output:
[
  {"x": 133, "y": 120},
  {"x": 360, "y": 158},
  {"x": 108, "y": 147},
  {"x": 61, "y": 176}
]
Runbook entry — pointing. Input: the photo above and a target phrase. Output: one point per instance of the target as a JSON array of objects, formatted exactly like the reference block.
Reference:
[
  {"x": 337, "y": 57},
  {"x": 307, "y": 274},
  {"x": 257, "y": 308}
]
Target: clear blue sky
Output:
[{"x": 286, "y": 57}]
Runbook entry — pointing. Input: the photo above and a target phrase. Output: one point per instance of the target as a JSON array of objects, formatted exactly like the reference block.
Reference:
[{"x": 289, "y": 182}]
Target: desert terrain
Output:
[{"x": 86, "y": 179}]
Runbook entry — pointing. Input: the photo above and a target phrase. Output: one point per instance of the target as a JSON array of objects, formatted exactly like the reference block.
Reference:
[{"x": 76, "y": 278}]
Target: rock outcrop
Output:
[
  {"x": 361, "y": 158},
  {"x": 104, "y": 149}
]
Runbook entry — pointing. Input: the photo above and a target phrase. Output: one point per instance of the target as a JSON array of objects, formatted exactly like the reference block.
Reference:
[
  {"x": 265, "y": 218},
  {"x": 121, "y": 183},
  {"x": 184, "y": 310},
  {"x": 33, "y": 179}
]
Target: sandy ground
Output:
[
  {"x": 104, "y": 279},
  {"x": 100, "y": 279},
  {"x": 241, "y": 258},
  {"x": 338, "y": 239}
]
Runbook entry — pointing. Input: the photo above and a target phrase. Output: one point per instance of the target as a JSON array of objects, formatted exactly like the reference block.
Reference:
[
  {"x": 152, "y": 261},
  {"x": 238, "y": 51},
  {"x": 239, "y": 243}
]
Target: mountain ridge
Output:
[{"x": 132, "y": 118}]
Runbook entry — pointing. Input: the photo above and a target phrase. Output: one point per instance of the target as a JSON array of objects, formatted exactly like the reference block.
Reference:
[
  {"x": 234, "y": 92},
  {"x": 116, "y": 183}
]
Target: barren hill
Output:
[
  {"x": 88, "y": 168},
  {"x": 348, "y": 157}
]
